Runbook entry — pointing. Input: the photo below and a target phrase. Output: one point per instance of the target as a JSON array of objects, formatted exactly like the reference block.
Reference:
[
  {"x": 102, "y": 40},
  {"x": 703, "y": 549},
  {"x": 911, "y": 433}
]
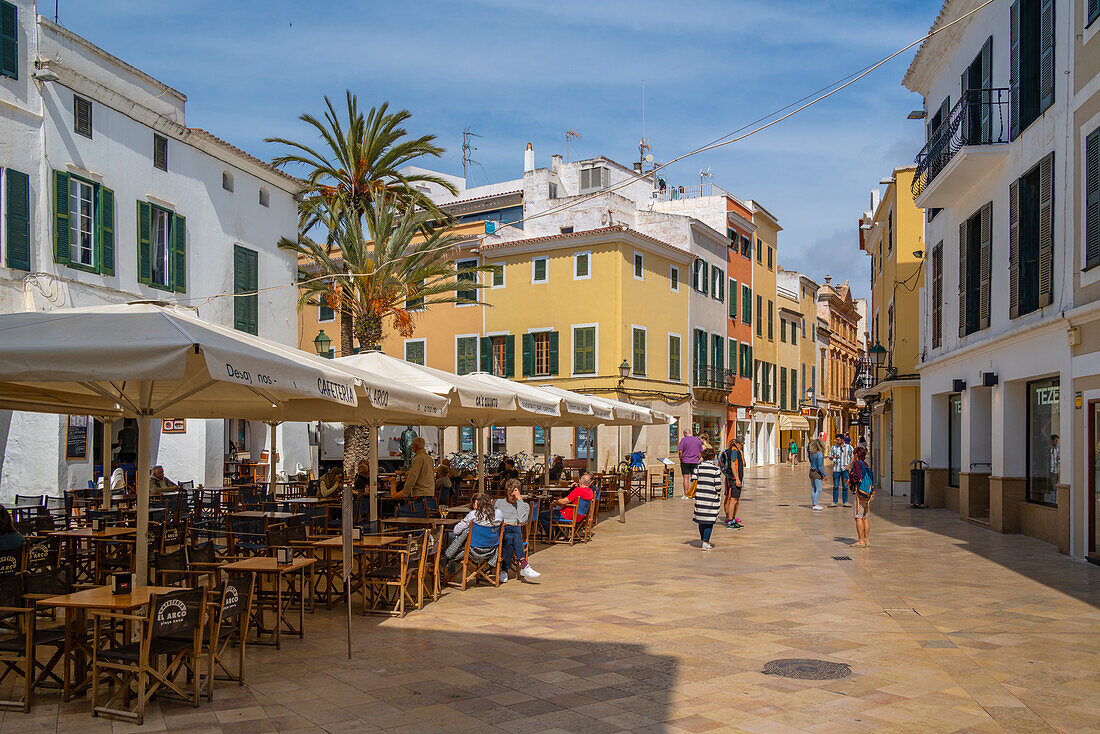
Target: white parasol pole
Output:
[
  {"x": 141, "y": 542},
  {"x": 271, "y": 460},
  {"x": 545, "y": 455},
  {"x": 105, "y": 449},
  {"x": 478, "y": 448}
]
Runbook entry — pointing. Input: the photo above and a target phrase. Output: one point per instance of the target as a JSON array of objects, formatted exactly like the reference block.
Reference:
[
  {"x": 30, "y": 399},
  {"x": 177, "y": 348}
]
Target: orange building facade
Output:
[{"x": 740, "y": 230}]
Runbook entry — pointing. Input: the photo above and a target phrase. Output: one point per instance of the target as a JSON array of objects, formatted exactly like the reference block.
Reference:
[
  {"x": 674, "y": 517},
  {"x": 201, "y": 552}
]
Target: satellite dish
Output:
[{"x": 649, "y": 158}]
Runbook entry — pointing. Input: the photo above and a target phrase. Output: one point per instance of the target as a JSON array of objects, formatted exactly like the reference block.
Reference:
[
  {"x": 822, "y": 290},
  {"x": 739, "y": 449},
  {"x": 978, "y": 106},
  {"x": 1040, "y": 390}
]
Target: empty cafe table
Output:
[
  {"x": 86, "y": 566},
  {"x": 368, "y": 543},
  {"x": 275, "y": 600}
]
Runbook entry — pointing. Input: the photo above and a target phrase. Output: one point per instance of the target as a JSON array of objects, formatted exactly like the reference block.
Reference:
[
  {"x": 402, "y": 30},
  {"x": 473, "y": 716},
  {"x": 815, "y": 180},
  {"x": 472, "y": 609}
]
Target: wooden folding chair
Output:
[
  {"x": 389, "y": 585},
  {"x": 477, "y": 565},
  {"x": 172, "y": 631},
  {"x": 565, "y": 531},
  {"x": 231, "y": 608},
  {"x": 430, "y": 581},
  {"x": 18, "y": 644}
]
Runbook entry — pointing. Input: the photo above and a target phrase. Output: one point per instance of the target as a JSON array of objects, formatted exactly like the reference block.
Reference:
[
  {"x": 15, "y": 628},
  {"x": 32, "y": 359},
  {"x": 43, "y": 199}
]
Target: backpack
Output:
[
  {"x": 866, "y": 488},
  {"x": 725, "y": 461}
]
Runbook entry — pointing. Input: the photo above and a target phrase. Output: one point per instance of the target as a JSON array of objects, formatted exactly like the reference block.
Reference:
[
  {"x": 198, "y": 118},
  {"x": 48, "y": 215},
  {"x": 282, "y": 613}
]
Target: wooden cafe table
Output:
[
  {"x": 369, "y": 543},
  {"x": 75, "y": 537},
  {"x": 271, "y": 600},
  {"x": 78, "y": 651}
]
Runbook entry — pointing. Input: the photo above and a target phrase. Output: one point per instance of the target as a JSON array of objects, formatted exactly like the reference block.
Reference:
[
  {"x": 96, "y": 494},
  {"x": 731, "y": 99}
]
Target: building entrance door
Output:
[{"x": 1094, "y": 482}]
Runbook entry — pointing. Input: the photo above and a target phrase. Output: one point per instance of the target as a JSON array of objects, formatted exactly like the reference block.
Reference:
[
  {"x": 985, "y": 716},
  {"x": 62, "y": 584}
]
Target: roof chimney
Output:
[
  {"x": 555, "y": 162},
  {"x": 529, "y": 159},
  {"x": 828, "y": 279}
]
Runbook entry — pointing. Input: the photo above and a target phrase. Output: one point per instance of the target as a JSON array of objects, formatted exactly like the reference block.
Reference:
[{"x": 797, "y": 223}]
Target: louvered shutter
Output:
[
  {"x": 937, "y": 295},
  {"x": 553, "y": 339},
  {"x": 746, "y": 304},
  {"x": 1094, "y": 10},
  {"x": 985, "y": 265},
  {"x": 1014, "y": 69},
  {"x": 1092, "y": 196},
  {"x": 527, "y": 354},
  {"x": 179, "y": 245},
  {"x": 1014, "y": 249},
  {"x": 1046, "y": 231},
  {"x": 985, "y": 109},
  {"x": 1046, "y": 55},
  {"x": 18, "y": 239},
  {"x": 145, "y": 250},
  {"x": 510, "y": 355},
  {"x": 61, "y": 217},
  {"x": 486, "y": 354},
  {"x": 733, "y": 299},
  {"x": 105, "y": 229},
  {"x": 706, "y": 277},
  {"x": 9, "y": 40},
  {"x": 240, "y": 275},
  {"x": 962, "y": 278}
]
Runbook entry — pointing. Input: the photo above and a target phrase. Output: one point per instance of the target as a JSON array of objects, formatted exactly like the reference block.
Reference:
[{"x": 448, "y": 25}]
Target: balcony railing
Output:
[
  {"x": 674, "y": 193},
  {"x": 979, "y": 118},
  {"x": 715, "y": 378}
]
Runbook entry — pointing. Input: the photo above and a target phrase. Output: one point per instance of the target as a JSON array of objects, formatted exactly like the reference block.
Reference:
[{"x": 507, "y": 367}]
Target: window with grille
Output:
[
  {"x": 82, "y": 116},
  {"x": 160, "y": 152},
  {"x": 541, "y": 350}
]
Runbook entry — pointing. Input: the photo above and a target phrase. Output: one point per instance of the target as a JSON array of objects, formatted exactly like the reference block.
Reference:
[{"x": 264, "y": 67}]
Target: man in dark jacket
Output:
[{"x": 732, "y": 464}]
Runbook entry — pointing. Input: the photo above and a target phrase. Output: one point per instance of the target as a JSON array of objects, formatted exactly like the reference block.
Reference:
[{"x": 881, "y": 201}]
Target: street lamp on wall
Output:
[
  {"x": 321, "y": 343},
  {"x": 878, "y": 354},
  {"x": 624, "y": 372}
]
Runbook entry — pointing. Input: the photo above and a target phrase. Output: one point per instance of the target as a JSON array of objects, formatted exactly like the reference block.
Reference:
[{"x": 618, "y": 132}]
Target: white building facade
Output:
[
  {"x": 109, "y": 197},
  {"x": 995, "y": 180}
]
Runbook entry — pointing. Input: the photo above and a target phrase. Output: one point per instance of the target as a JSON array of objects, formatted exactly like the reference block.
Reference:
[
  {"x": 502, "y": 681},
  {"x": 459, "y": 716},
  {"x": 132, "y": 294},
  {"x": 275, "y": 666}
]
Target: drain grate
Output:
[
  {"x": 842, "y": 558},
  {"x": 782, "y": 505},
  {"x": 805, "y": 669}
]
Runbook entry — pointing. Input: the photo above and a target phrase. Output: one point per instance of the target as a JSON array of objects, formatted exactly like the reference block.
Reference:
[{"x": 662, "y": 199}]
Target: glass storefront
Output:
[
  {"x": 538, "y": 439},
  {"x": 708, "y": 427},
  {"x": 954, "y": 438},
  {"x": 497, "y": 439},
  {"x": 1044, "y": 450},
  {"x": 673, "y": 434},
  {"x": 583, "y": 440}
]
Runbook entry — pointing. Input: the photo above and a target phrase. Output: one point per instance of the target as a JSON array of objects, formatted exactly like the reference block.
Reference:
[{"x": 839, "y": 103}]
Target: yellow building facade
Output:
[
  {"x": 892, "y": 235},
  {"x": 765, "y": 422}
]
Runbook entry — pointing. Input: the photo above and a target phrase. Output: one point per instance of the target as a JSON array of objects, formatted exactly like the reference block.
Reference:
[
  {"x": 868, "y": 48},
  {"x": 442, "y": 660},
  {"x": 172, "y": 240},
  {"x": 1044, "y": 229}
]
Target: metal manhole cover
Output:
[{"x": 804, "y": 669}]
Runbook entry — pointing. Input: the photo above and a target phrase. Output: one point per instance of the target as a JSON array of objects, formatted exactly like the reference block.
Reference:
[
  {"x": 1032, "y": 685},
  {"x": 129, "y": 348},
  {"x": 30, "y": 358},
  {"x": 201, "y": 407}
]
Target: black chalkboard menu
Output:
[{"x": 76, "y": 437}]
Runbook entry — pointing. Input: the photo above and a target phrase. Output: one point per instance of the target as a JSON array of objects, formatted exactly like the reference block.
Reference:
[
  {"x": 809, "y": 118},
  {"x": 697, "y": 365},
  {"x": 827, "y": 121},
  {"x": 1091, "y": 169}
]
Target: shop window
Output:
[
  {"x": 954, "y": 439},
  {"x": 498, "y": 439},
  {"x": 1044, "y": 450},
  {"x": 538, "y": 439},
  {"x": 465, "y": 438},
  {"x": 583, "y": 443}
]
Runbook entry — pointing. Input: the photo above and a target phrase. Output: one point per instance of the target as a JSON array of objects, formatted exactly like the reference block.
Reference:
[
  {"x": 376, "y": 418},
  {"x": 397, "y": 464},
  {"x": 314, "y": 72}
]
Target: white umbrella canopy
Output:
[
  {"x": 153, "y": 360},
  {"x": 536, "y": 406}
]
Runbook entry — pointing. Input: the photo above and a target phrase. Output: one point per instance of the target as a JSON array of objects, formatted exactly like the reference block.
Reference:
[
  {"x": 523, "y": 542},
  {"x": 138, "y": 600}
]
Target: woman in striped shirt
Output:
[{"x": 708, "y": 495}]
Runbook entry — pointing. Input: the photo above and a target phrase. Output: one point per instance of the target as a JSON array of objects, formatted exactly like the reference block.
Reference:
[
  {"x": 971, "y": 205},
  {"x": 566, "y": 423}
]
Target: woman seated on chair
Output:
[
  {"x": 481, "y": 522},
  {"x": 580, "y": 490},
  {"x": 331, "y": 483},
  {"x": 444, "y": 485},
  {"x": 10, "y": 538},
  {"x": 556, "y": 469}
]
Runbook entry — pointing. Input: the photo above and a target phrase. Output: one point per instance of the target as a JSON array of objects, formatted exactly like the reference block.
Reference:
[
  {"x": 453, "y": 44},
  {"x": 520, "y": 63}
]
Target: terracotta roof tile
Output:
[{"x": 229, "y": 146}]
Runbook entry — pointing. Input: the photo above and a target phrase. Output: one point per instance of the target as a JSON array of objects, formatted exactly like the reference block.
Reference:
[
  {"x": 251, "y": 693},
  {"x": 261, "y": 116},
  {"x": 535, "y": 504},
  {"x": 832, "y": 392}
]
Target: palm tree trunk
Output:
[{"x": 355, "y": 437}]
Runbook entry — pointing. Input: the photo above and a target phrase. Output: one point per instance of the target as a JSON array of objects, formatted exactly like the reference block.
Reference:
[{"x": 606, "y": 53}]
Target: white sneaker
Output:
[
  {"x": 708, "y": 546},
  {"x": 503, "y": 577},
  {"x": 529, "y": 573},
  {"x": 818, "y": 507}
]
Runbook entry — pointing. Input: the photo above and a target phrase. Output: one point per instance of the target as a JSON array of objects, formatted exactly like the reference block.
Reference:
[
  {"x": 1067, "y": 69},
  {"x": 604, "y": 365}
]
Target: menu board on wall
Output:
[{"x": 76, "y": 438}]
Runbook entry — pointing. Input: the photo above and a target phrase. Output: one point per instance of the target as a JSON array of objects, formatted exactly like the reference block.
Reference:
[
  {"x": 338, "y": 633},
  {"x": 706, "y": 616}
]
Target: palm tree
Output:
[
  {"x": 376, "y": 271},
  {"x": 359, "y": 162}
]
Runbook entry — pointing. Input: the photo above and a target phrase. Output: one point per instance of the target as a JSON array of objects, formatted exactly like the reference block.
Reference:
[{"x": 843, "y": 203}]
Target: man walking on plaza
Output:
[
  {"x": 732, "y": 464},
  {"x": 841, "y": 454},
  {"x": 689, "y": 449}
]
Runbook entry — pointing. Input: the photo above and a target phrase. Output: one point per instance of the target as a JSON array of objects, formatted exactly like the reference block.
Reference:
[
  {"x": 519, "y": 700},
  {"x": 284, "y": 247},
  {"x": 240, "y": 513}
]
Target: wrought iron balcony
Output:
[
  {"x": 980, "y": 117},
  {"x": 714, "y": 378}
]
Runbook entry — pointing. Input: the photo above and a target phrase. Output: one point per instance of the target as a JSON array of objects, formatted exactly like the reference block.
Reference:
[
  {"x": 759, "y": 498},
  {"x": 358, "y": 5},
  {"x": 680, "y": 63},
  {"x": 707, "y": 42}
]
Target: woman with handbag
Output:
[
  {"x": 708, "y": 495},
  {"x": 817, "y": 471},
  {"x": 862, "y": 484}
]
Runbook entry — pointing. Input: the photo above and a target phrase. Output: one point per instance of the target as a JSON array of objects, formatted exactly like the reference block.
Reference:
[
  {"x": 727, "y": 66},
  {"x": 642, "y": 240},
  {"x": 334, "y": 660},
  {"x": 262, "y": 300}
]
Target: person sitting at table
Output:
[
  {"x": 331, "y": 483},
  {"x": 516, "y": 513},
  {"x": 507, "y": 471},
  {"x": 557, "y": 467},
  {"x": 158, "y": 483},
  {"x": 10, "y": 538},
  {"x": 481, "y": 521},
  {"x": 444, "y": 485},
  {"x": 579, "y": 490},
  {"x": 419, "y": 483},
  {"x": 362, "y": 476}
]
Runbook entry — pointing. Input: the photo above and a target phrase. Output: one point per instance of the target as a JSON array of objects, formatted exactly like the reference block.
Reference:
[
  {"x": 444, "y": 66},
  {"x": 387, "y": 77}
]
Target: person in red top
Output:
[{"x": 579, "y": 491}]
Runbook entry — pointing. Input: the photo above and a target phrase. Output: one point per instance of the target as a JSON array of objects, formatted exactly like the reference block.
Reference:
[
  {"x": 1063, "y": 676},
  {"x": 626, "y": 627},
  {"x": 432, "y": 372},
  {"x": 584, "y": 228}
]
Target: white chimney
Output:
[
  {"x": 555, "y": 162},
  {"x": 529, "y": 159}
]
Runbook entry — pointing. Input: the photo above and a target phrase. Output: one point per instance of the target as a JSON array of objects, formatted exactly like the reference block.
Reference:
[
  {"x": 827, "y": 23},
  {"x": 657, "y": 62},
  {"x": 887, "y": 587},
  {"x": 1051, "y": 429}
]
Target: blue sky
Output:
[{"x": 527, "y": 70}]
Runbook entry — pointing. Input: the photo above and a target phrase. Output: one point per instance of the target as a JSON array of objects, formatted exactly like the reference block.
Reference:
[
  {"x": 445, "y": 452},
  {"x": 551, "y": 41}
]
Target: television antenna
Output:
[
  {"x": 574, "y": 133},
  {"x": 467, "y": 150},
  {"x": 704, "y": 174}
]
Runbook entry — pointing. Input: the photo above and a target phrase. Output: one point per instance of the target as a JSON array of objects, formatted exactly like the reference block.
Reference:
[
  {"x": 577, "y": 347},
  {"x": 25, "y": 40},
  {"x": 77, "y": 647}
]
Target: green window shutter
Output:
[
  {"x": 9, "y": 40},
  {"x": 732, "y": 357},
  {"x": 1013, "y": 249},
  {"x": 782, "y": 388},
  {"x": 486, "y": 354},
  {"x": 61, "y": 217},
  {"x": 510, "y": 355},
  {"x": 245, "y": 281},
  {"x": 673, "y": 357},
  {"x": 639, "y": 352},
  {"x": 985, "y": 266},
  {"x": 553, "y": 352},
  {"x": 17, "y": 196},
  {"x": 145, "y": 253},
  {"x": 746, "y": 304},
  {"x": 105, "y": 229},
  {"x": 528, "y": 354},
  {"x": 254, "y": 298},
  {"x": 733, "y": 298},
  {"x": 1046, "y": 56},
  {"x": 1014, "y": 69},
  {"x": 706, "y": 278},
  {"x": 1092, "y": 189},
  {"x": 1046, "y": 230},
  {"x": 240, "y": 267},
  {"x": 179, "y": 246},
  {"x": 963, "y": 240}
]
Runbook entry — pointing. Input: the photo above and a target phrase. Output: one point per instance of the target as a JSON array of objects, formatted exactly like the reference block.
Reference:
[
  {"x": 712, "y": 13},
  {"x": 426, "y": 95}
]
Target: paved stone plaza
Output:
[{"x": 947, "y": 627}]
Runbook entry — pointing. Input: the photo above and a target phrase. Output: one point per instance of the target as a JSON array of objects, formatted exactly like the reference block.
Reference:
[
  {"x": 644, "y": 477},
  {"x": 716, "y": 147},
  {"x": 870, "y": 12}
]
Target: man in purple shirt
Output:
[{"x": 689, "y": 449}]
